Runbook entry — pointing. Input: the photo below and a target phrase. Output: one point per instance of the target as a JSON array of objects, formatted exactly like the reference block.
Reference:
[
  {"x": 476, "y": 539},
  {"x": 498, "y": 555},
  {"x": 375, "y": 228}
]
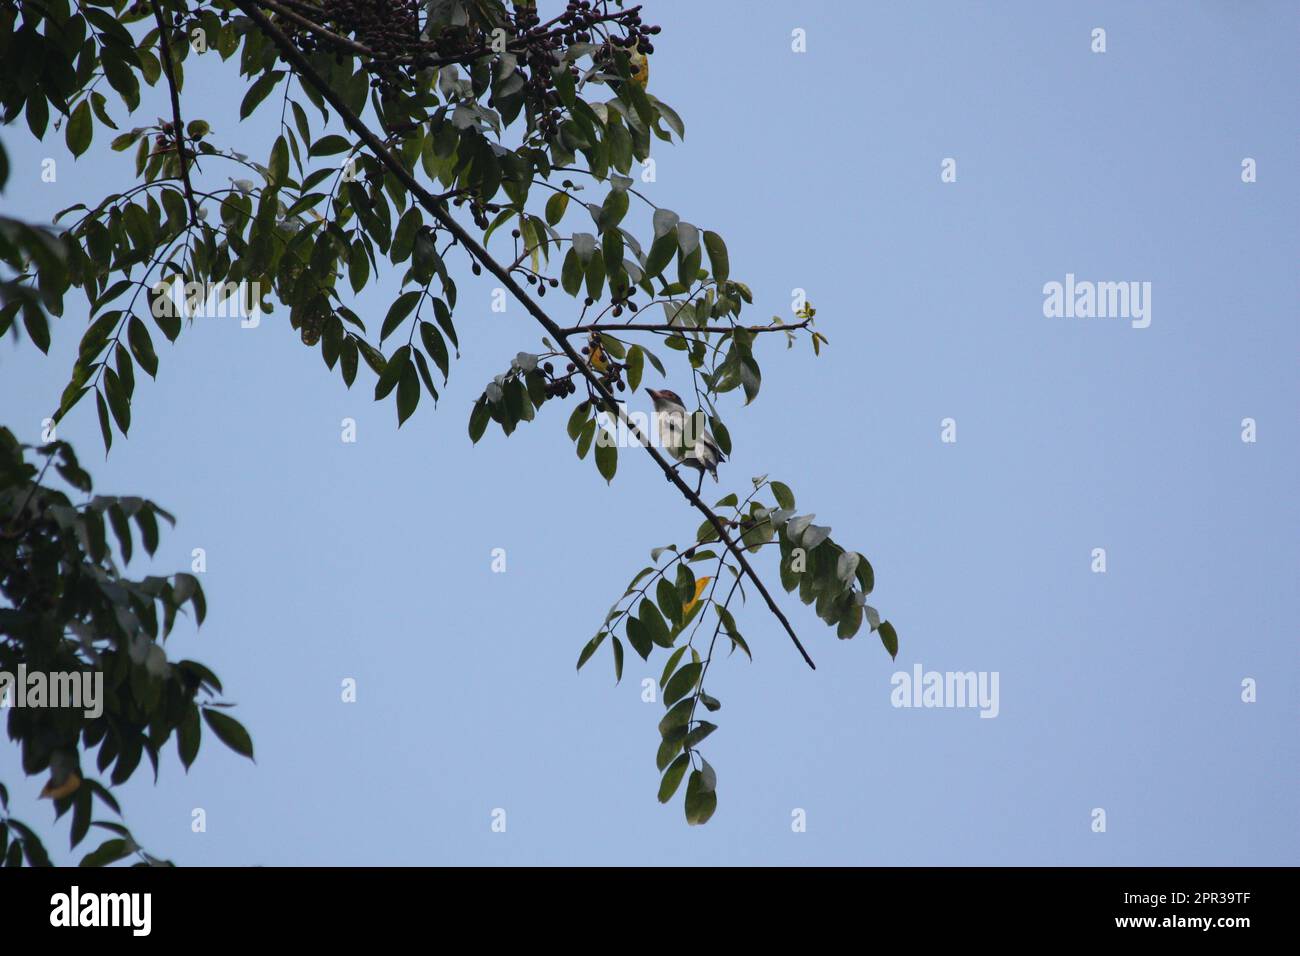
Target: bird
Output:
[{"x": 673, "y": 424}]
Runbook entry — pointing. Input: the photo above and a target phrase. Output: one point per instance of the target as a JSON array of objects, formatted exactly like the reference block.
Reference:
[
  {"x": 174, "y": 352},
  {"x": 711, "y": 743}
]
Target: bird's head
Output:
[{"x": 665, "y": 399}]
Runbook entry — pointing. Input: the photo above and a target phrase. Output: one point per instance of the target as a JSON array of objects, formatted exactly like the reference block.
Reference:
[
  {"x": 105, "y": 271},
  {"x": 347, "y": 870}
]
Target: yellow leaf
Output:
[
  {"x": 700, "y": 585},
  {"x": 57, "y": 792},
  {"x": 641, "y": 76}
]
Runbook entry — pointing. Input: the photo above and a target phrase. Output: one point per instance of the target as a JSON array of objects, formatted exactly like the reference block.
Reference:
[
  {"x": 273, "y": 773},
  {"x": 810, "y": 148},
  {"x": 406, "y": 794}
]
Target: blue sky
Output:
[{"x": 1119, "y": 691}]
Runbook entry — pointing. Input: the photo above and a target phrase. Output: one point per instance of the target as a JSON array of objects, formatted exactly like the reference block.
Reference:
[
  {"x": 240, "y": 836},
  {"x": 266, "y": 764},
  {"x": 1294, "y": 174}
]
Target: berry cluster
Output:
[
  {"x": 597, "y": 359},
  {"x": 611, "y": 371},
  {"x": 581, "y": 22},
  {"x": 558, "y": 387},
  {"x": 389, "y": 28},
  {"x": 391, "y": 31}
]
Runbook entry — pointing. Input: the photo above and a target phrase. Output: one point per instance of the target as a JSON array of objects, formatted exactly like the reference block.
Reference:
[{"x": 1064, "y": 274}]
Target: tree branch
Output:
[
  {"x": 516, "y": 45},
  {"x": 439, "y": 211},
  {"x": 664, "y": 327},
  {"x": 178, "y": 126},
  {"x": 314, "y": 27}
]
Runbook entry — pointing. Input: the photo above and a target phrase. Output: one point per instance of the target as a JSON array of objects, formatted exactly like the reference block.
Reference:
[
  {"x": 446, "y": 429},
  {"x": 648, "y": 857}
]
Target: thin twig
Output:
[
  {"x": 178, "y": 130},
  {"x": 664, "y": 327}
]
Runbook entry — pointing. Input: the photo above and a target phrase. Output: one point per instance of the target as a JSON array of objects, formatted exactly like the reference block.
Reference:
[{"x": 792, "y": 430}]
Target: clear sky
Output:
[{"x": 1120, "y": 691}]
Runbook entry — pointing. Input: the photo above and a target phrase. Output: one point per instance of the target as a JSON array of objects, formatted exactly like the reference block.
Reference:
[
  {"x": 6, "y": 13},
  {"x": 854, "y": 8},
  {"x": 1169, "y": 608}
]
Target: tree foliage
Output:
[
  {"x": 410, "y": 137},
  {"x": 68, "y": 609}
]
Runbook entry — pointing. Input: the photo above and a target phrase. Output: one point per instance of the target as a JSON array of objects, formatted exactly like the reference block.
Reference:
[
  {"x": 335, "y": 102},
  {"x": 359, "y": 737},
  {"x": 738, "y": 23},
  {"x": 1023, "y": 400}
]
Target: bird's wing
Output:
[{"x": 712, "y": 446}]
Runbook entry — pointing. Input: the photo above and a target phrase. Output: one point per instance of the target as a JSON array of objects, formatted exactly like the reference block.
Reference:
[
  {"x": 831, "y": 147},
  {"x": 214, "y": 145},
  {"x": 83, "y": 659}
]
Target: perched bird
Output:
[{"x": 694, "y": 449}]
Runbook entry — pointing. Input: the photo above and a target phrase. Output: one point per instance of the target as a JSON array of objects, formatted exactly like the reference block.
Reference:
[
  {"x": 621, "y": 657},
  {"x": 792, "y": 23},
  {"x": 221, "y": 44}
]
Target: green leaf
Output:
[
  {"x": 571, "y": 273},
  {"x": 189, "y": 734},
  {"x": 37, "y": 328},
  {"x": 606, "y": 456},
  {"x": 665, "y": 224},
  {"x": 125, "y": 141},
  {"x": 661, "y": 253},
  {"x": 279, "y": 163},
  {"x": 408, "y": 394},
  {"x": 850, "y": 622},
  {"x": 750, "y": 378},
  {"x": 595, "y": 274},
  {"x": 639, "y": 637},
  {"x": 404, "y": 236},
  {"x": 670, "y": 601},
  {"x": 142, "y": 346},
  {"x": 435, "y": 346},
  {"x": 392, "y": 373},
  {"x": 479, "y": 417},
  {"x": 671, "y": 666},
  {"x": 702, "y": 729},
  {"x": 577, "y": 419},
  {"x": 122, "y": 529},
  {"x": 719, "y": 262},
  {"x": 678, "y": 715},
  {"x": 110, "y": 851},
  {"x": 348, "y": 355},
  {"x": 119, "y": 403},
  {"x": 442, "y": 312},
  {"x": 784, "y": 496},
  {"x": 613, "y": 210},
  {"x": 673, "y": 777},
  {"x": 888, "y": 637},
  {"x": 81, "y": 806},
  {"x": 670, "y": 117},
  {"x": 733, "y": 633},
  {"x": 402, "y": 307},
  {"x": 814, "y": 536},
  {"x": 590, "y": 648},
  {"x": 700, "y": 801},
  {"x": 229, "y": 731},
  {"x": 585, "y": 438},
  {"x": 669, "y": 748},
  {"x": 329, "y": 145},
  {"x": 148, "y": 524},
  {"x": 635, "y": 367},
  {"x": 258, "y": 92},
  {"x": 105, "y": 432},
  {"x": 358, "y": 266},
  {"x": 688, "y": 238},
  {"x": 80, "y": 129},
  {"x": 555, "y": 207},
  {"x": 683, "y": 682},
  {"x": 656, "y": 628},
  {"x": 688, "y": 267}
]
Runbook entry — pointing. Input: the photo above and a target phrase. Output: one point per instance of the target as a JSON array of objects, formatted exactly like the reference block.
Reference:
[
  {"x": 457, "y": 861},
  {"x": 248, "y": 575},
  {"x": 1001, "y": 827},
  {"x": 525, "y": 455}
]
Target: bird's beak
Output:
[{"x": 653, "y": 394}]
